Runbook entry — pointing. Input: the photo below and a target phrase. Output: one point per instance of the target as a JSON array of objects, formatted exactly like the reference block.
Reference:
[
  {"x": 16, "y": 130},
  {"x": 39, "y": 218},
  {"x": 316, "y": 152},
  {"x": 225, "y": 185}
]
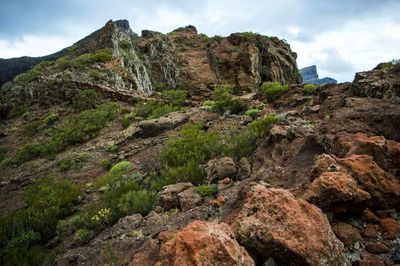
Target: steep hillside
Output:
[{"x": 183, "y": 149}]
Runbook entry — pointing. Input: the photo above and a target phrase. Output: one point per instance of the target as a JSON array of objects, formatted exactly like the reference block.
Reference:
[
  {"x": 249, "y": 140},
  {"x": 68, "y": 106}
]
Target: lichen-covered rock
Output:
[
  {"x": 272, "y": 223},
  {"x": 202, "y": 243}
]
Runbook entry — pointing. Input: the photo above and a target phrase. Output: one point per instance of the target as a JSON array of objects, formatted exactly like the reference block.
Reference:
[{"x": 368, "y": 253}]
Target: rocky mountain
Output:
[
  {"x": 9, "y": 68},
  {"x": 184, "y": 149},
  {"x": 310, "y": 76}
]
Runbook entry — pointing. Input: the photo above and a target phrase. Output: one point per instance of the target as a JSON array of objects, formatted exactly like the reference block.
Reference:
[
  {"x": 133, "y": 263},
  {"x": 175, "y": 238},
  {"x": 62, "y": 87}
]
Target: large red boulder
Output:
[
  {"x": 333, "y": 188},
  {"x": 383, "y": 187},
  {"x": 202, "y": 243},
  {"x": 272, "y": 223}
]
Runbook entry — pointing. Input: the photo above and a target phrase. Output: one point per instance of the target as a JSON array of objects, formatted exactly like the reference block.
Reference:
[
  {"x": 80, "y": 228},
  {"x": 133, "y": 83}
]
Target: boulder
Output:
[
  {"x": 360, "y": 143},
  {"x": 202, "y": 243},
  {"x": 218, "y": 169},
  {"x": 168, "y": 196},
  {"x": 335, "y": 187},
  {"x": 391, "y": 227},
  {"x": 244, "y": 169},
  {"x": 272, "y": 223},
  {"x": 348, "y": 234},
  {"x": 383, "y": 187},
  {"x": 188, "y": 199}
]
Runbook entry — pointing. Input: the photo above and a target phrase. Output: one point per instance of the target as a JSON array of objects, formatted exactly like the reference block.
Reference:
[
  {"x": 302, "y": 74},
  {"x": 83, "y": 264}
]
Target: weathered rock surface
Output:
[
  {"x": 335, "y": 187},
  {"x": 180, "y": 196},
  {"x": 378, "y": 83},
  {"x": 201, "y": 243},
  {"x": 272, "y": 223},
  {"x": 218, "y": 169}
]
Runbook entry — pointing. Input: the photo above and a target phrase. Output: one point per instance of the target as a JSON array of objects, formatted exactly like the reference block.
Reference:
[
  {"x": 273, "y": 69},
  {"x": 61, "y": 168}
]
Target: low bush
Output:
[
  {"x": 206, "y": 190},
  {"x": 82, "y": 236},
  {"x": 174, "y": 97},
  {"x": 18, "y": 111},
  {"x": 225, "y": 104},
  {"x": 244, "y": 144},
  {"x": 153, "y": 109},
  {"x": 273, "y": 90},
  {"x": 127, "y": 121},
  {"x": 34, "y": 127},
  {"x": 94, "y": 74},
  {"x": 106, "y": 164},
  {"x": 208, "y": 103},
  {"x": 232, "y": 49},
  {"x": 112, "y": 148},
  {"x": 51, "y": 119},
  {"x": 67, "y": 164},
  {"x": 87, "y": 99},
  {"x": 310, "y": 89},
  {"x": 124, "y": 44},
  {"x": 29, "y": 76},
  {"x": 28, "y": 152},
  {"x": 252, "y": 112},
  {"x": 141, "y": 201},
  {"x": 5, "y": 163}
]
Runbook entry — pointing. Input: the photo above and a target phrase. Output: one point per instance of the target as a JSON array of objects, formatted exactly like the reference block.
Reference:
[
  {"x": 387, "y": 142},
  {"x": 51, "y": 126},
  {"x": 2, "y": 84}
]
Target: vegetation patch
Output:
[
  {"x": 273, "y": 90},
  {"x": 310, "y": 89},
  {"x": 224, "y": 102}
]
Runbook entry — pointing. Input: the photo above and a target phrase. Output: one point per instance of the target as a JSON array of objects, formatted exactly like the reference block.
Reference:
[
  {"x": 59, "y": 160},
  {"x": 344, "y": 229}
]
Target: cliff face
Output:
[{"x": 310, "y": 76}]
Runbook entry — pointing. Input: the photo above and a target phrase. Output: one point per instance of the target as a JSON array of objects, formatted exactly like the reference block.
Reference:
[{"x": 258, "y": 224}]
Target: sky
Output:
[{"x": 341, "y": 37}]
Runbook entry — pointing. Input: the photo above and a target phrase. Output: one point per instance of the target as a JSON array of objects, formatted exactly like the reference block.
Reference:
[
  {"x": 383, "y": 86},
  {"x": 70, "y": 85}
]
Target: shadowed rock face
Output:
[{"x": 310, "y": 76}]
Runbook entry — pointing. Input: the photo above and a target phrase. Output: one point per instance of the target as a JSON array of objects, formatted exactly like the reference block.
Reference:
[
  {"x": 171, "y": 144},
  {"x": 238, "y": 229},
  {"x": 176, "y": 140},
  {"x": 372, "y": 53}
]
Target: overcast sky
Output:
[{"x": 341, "y": 37}]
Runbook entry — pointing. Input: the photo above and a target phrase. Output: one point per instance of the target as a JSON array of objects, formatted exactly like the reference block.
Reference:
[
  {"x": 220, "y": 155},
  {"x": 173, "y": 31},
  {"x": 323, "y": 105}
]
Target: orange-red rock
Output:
[
  {"x": 383, "y": 187},
  {"x": 369, "y": 216},
  {"x": 272, "y": 223},
  {"x": 377, "y": 248},
  {"x": 334, "y": 187},
  {"x": 202, "y": 243},
  {"x": 390, "y": 227},
  {"x": 348, "y": 234},
  {"x": 369, "y": 263},
  {"x": 360, "y": 143},
  {"x": 393, "y": 149},
  {"x": 371, "y": 231}
]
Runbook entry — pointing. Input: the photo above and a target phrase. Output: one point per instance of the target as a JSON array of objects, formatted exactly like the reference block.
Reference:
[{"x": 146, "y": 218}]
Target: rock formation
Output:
[{"x": 310, "y": 76}]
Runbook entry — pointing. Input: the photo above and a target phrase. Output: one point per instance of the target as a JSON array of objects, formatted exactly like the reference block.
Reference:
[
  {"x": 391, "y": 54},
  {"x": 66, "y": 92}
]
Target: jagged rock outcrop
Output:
[
  {"x": 310, "y": 76},
  {"x": 378, "y": 83}
]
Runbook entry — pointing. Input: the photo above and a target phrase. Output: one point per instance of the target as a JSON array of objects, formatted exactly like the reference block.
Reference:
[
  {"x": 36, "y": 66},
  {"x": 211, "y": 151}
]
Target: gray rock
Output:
[
  {"x": 188, "y": 199},
  {"x": 218, "y": 169},
  {"x": 168, "y": 196},
  {"x": 244, "y": 169}
]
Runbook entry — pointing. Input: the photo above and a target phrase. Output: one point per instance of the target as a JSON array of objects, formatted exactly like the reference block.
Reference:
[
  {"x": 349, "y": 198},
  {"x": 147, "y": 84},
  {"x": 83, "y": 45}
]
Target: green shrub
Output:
[
  {"x": 160, "y": 87},
  {"x": 273, "y": 90},
  {"x": 252, "y": 112},
  {"x": 106, "y": 164},
  {"x": 225, "y": 104},
  {"x": 85, "y": 100},
  {"x": 232, "y": 49},
  {"x": 51, "y": 119},
  {"x": 174, "y": 97},
  {"x": 310, "y": 89},
  {"x": 112, "y": 148},
  {"x": 28, "y": 152},
  {"x": 141, "y": 201},
  {"x": 119, "y": 181},
  {"x": 244, "y": 144},
  {"x": 67, "y": 164},
  {"x": 123, "y": 110},
  {"x": 94, "y": 74},
  {"x": 34, "y": 127},
  {"x": 82, "y": 236},
  {"x": 206, "y": 190},
  {"x": 28, "y": 76},
  {"x": 124, "y": 44},
  {"x": 102, "y": 57},
  {"x": 63, "y": 63},
  {"x": 390, "y": 63},
  {"x": 5, "y": 163},
  {"x": 208, "y": 103},
  {"x": 153, "y": 109},
  {"x": 17, "y": 111},
  {"x": 83, "y": 60},
  {"x": 127, "y": 121}
]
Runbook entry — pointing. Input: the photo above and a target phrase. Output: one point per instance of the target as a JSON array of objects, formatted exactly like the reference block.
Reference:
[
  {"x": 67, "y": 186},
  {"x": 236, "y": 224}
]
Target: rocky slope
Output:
[
  {"x": 310, "y": 76},
  {"x": 316, "y": 184}
]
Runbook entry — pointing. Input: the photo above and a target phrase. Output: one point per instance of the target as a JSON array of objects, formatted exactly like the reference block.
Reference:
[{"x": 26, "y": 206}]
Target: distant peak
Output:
[{"x": 123, "y": 24}]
